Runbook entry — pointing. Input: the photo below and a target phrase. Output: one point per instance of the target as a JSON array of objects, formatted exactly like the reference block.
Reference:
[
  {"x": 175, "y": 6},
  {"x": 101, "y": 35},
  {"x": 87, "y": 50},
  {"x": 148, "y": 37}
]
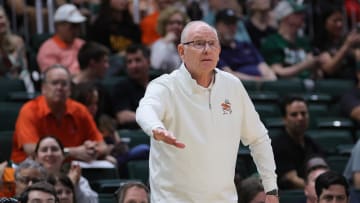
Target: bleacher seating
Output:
[{"x": 5, "y": 144}]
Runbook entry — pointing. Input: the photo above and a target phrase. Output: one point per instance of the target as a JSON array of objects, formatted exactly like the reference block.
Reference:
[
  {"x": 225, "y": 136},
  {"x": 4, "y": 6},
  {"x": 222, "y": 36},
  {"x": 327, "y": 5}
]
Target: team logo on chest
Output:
[{"x": 226, "y": 107}]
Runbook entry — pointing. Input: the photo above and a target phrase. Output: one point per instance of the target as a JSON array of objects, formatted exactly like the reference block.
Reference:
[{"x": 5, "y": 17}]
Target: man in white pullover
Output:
[{"x": 196, "y": 117}]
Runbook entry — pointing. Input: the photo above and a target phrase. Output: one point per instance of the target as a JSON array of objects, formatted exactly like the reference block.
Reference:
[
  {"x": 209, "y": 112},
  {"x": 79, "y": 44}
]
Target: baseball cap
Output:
[
  {"x": 68, "y": 13},
  {"x": 315, "y": 162},
  {"x": 226, "y": 15},
  {"x": 287, "y": 7}
]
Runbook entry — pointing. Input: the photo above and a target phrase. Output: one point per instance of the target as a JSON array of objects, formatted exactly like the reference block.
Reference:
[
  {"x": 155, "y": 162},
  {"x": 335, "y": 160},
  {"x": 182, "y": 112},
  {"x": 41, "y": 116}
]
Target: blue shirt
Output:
[{"x": 243, "y": 58}]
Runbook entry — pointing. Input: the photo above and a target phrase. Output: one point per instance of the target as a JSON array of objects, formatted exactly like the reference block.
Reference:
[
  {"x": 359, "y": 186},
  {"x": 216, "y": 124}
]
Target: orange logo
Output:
[{"x": 226, "y": 107}]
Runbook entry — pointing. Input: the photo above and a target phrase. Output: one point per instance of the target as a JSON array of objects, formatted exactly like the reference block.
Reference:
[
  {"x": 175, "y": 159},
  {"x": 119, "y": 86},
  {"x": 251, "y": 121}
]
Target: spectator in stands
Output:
[
  {"x": 64, "y": 46},
  {"x": 25, "y": 11},
  {"x": 133, "y": 192},
  {"x": 94, "y": 62},
  {"x": 7, "y": 180},
  {"x": 39, "y": 192},
  {"x": 50, "y": 153},
  {"x": 27, "y": 173},
  {"x": 164, "y": 55},
  {"x": 339, "y": 50},
  {"x": 332, "y": 187},
  {"x": 119, "y": 152},
  {"x": 54, "y": 113},
  {"x": 64, "y": 188},
  {"x": 293, "y": 147},
  {"x": 315, "y": 166},
  {"x": 352, "y": 169},
  {"x": 287, "y": 53},
  {"x": 148, "y": 24},
  {"x": 239, "y": 58},
  {"x": 128, "y": 92},
  {"x": 261, "y": 21},
  {"x": 251, "y": 190},
  {"x": 13, "y": 53},
  {"x": 215, "y": 6},
  {"x": 114, "y": 27}
]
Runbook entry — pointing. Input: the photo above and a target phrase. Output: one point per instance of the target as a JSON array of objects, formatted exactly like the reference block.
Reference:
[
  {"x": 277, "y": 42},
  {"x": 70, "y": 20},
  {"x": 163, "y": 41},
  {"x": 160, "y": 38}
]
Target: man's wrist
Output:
[{"x": 273, "y": 192}]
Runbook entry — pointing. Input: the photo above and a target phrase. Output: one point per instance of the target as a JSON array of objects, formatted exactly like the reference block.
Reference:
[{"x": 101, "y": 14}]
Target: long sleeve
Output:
[{"x": 84, "y": 193}]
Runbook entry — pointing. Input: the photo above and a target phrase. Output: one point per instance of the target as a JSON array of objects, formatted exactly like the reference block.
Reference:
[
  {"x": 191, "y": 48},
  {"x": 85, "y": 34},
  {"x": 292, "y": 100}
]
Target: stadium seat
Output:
[
  {"x": 284, "y": 86},
  {"x": 139, "y": 169},
  {"x": 108, "y": 186},
  {"x": 5, "y": 144},
  {"x": 337, "y": 163},
  {"x": 135, "y": 137},
  {"x": 10, "y": 85},
  {"x": 8, "y": 114},
  {"x": 94, "y": 174},
  {"x": 106, "y": 198},
  {"x": 291, "y": 196},
  {"x": 333, "y": 87},
  {"x": 328, "y": 140},
  {"x": 334, "y": 123}
]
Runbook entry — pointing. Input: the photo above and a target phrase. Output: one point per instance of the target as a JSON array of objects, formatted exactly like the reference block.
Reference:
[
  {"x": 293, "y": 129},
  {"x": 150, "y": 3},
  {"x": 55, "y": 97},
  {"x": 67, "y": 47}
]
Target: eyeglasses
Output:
[{"x": 201, "y": 44}]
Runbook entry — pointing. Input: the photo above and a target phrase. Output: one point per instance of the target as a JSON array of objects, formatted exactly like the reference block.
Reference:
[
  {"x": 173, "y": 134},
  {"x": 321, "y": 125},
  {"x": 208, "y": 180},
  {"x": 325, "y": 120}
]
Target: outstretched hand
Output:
[
  {"x": 167, "y": 137},
  {"x": 271, "y": 199}
]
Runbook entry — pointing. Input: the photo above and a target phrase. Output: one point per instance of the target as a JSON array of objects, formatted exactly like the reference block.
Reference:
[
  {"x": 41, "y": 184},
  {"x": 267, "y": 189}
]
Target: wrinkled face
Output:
[
  {"x": 175, "y": 24},
  {"x": 309, "y": 189},
  {"x": 101, "y": 66},
  {"x": 68, "y": 31},
  {"x": 200, "y": 60},
  {"x": 259, "y": 198},
  {"x": 136, "y": 195},
  {"x": 296, "y": 119},
  {"x": 226, "y": 32},
  {"x": 50, "y": 155},
  {"x": 334, "y": 194},
  {"x": 56, "y": 87},
  {"x": 334, "y": 25},
  {"x": 27, "y": 177},
  {"x": 64, "y": 193},
  {"x": 37, "y": 196},
  {"x": 137, "y": 65}
]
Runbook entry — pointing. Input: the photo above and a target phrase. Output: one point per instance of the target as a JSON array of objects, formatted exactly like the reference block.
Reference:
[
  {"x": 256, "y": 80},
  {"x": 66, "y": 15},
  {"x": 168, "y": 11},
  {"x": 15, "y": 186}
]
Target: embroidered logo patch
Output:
[{"x": 226, "y": 107}]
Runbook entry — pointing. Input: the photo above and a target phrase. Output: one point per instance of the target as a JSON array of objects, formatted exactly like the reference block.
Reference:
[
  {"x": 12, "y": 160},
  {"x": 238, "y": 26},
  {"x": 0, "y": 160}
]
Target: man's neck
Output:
[
  {"x": 84, "y": 76},
  {"x": 260, "y": 21},
  {"x": 297, "y": 136},
  {"x": 57, "y": 109},
  {"x": 284, "y": 32}
]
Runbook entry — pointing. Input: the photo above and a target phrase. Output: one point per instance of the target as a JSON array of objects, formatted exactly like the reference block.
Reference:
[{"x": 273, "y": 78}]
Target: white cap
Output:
[{"x": 68, "y": 13}]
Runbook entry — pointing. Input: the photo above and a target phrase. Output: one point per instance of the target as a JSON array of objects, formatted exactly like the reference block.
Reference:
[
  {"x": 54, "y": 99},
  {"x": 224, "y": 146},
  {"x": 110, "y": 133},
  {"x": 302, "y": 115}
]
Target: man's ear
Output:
[{"x": 180, "y": 48}]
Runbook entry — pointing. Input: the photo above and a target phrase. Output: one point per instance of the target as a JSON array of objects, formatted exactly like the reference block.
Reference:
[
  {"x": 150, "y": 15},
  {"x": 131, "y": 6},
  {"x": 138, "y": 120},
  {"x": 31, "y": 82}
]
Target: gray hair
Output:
[
  {"x": 188, "y": 26},
  {"x": 29, "y": 163}
]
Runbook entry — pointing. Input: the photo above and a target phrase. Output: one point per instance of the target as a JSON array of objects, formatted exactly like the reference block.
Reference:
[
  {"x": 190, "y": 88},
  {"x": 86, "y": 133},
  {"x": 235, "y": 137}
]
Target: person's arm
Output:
[
  {"x": 241, "y": 76},
  {"x": 125, "y": 116},
  {"x": 356, "y": 180},
  {"x": 331, "y": 64},
  {"x": 84, "y": 193},
  {"x": 266, "y": 72},
  {"x": 293, "y": 177},
  {"x": 293, "y": 70}
]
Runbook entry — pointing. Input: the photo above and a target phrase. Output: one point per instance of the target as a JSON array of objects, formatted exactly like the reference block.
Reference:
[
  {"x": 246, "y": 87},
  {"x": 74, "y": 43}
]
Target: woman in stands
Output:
[
  {"x": 164, "y": 54},
  {"x": 50, "y": 153},
  {"x": 339, "y": 50},
  {"x": 13, "y": 62},
  {"x": 64, "y": 188}
]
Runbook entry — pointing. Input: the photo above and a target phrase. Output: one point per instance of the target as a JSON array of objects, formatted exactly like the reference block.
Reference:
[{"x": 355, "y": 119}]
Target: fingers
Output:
[{"x": 167, "y": 137}]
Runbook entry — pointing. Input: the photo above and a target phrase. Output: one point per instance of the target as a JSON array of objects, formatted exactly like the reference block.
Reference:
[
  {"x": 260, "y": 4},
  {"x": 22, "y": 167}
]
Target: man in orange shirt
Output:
[{"x": 54, "y": 113}]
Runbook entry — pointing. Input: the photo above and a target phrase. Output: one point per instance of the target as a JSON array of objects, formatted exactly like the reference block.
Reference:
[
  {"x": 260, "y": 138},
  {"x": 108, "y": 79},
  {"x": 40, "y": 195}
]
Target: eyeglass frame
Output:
[{"x": 214, "y": 46}]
